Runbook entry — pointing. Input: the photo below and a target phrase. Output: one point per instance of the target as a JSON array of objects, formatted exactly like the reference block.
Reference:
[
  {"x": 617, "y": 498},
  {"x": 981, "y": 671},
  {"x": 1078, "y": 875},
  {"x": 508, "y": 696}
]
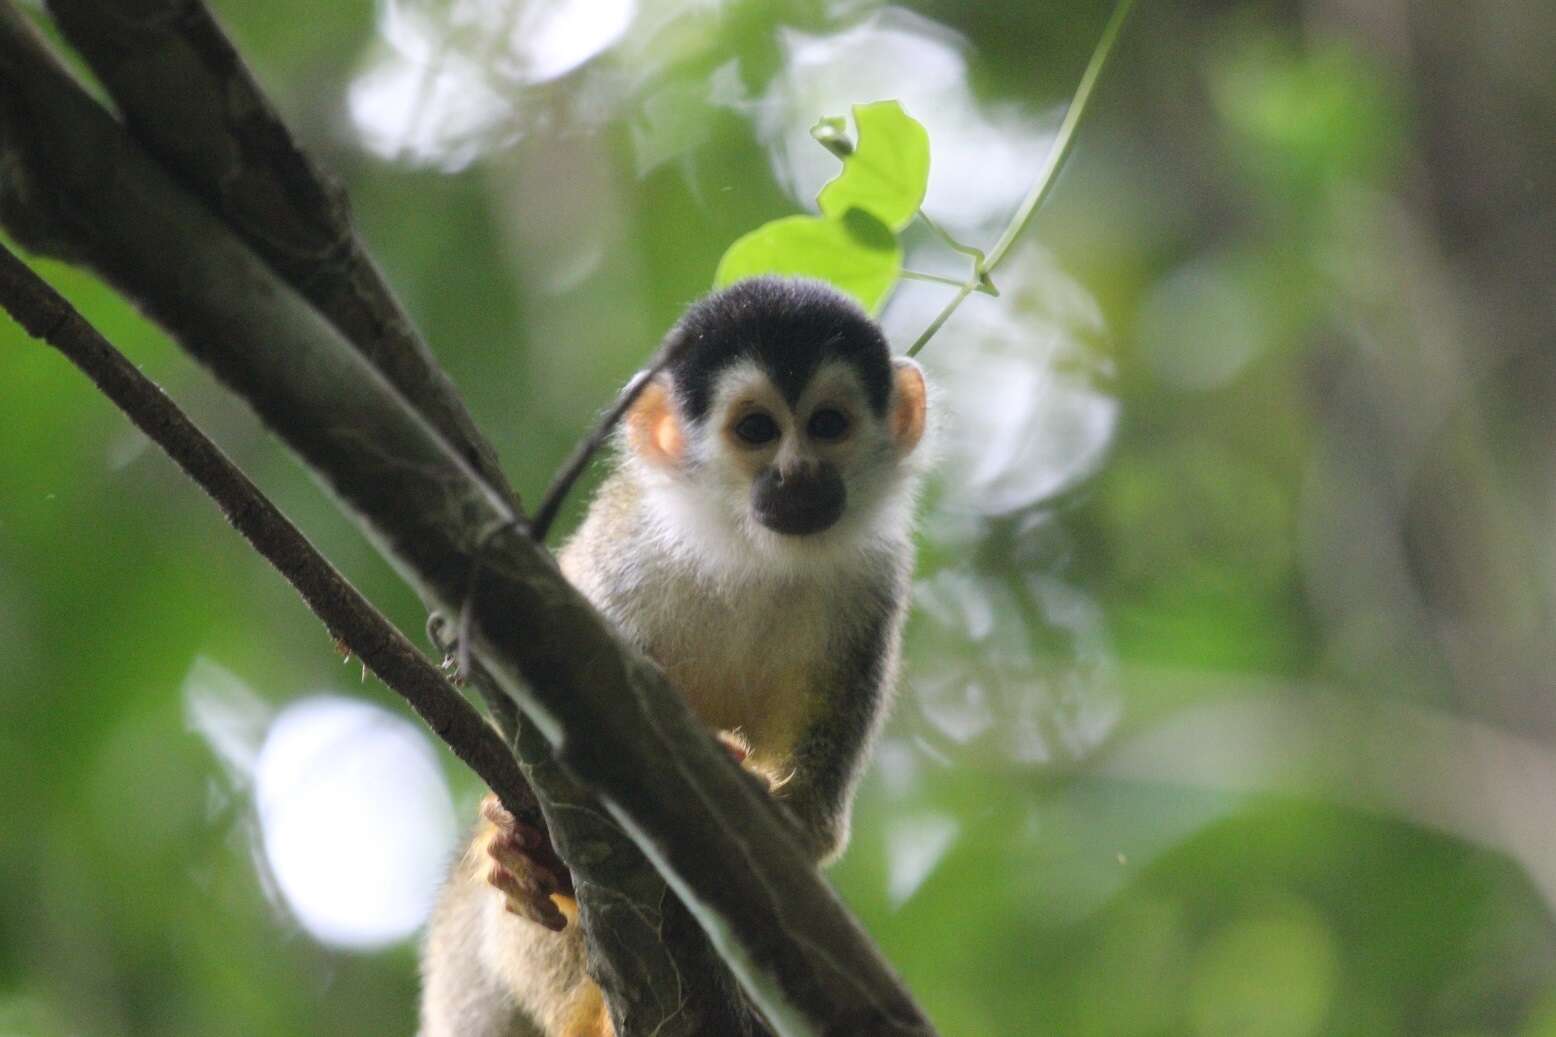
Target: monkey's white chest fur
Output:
[{"x": 750, "y": 651}]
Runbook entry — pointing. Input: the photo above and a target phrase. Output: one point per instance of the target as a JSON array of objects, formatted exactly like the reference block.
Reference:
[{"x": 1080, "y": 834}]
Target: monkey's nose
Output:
[{"x": 799, "y": 499}]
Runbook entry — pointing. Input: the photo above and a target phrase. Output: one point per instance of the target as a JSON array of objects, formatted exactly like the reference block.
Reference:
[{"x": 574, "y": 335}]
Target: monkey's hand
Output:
[{"x": 523, "y": 866}]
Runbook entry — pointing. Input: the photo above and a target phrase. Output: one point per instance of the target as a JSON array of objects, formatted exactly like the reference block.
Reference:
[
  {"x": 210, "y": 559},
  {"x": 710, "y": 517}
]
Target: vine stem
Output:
[
  {"x": 1046, "y": 179},
  {"x": 940, "y": 318},
  {"x": 1066, "y": 136},
  {"x": 976, "y": 255},
  {"x": 949, "y": 282}
]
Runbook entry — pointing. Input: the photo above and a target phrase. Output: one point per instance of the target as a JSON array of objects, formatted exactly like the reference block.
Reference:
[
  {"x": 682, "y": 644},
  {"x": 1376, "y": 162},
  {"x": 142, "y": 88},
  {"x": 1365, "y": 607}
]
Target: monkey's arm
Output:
[{"x": 832, "y": 751}]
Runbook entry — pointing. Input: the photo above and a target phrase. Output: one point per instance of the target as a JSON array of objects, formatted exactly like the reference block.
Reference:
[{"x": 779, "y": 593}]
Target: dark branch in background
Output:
[
  {"x": 345, "y": 612},
  {"x": 188, "y": 99},
  {"x": 72, "y": 182}
]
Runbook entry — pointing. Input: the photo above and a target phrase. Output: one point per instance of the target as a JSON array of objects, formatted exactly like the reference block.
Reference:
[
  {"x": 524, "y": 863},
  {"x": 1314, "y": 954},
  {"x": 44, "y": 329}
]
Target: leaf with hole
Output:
[{"x": 887, "y": 172}]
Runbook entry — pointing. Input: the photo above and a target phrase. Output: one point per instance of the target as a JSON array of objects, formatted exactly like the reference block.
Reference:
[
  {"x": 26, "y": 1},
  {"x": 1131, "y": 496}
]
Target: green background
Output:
[{"x": 1228, "y": 703}]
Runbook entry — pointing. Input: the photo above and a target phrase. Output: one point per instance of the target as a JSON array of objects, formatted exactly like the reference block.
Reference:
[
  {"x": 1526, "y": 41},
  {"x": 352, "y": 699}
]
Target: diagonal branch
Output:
[
  {"x": 650, "y": 986},
  {"x": 73, "y": 182},
  {"x": 347, "y": 615}
]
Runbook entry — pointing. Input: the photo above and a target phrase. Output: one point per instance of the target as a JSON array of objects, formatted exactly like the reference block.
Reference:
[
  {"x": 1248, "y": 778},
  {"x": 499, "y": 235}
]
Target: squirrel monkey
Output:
[{"x": 755, "y": 541}]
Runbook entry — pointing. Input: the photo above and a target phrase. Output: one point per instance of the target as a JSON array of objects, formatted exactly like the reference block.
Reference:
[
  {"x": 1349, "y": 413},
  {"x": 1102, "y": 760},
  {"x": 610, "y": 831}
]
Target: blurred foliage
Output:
[{"x": 1228, "y": 706}]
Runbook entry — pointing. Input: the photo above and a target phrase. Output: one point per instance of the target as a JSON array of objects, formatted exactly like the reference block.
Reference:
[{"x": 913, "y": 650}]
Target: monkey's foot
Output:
[{"x": 524, "y": 867}]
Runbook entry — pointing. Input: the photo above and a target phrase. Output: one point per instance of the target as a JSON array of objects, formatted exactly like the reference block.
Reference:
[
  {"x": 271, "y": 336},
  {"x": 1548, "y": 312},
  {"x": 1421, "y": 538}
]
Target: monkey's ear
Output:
[
  {"x": 908, "y": 404},
  {"x": 653, "y": 429}
]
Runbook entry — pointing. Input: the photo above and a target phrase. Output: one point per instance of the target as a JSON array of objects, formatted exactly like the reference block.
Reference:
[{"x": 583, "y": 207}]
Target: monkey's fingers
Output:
[
  {"x": 532, "y": 844},
  {"x": 525, "y": 883},
  {"x": 524, "y": 897},
  {"x": 508, "y": 851},
  {"x": 499, "y": 815}
]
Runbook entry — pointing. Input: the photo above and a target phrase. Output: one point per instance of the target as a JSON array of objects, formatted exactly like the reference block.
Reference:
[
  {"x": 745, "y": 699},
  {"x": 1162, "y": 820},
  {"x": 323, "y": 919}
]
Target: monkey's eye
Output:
[
  {"x": 828, "y": 424},
  {"x": 757, "y": 428}
]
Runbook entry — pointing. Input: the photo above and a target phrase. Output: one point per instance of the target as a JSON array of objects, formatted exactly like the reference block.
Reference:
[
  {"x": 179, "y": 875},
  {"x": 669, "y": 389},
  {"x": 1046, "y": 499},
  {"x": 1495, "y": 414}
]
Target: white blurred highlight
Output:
[
  {"x": 355, "y": 819},
  {"x": 446, "y": 85},
  {"x": 1032, "y": 707},
  {"x": 445, "y": 115},
  {"x": 914, "y": 846},
  {"x": 983, "y": 156},
  {"x": 1024, "y": 416},
  {"x": 549, "y": 40}
]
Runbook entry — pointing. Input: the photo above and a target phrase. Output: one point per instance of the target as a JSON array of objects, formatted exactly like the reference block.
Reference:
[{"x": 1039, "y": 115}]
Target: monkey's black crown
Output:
[{"x": 788, "y": 326}]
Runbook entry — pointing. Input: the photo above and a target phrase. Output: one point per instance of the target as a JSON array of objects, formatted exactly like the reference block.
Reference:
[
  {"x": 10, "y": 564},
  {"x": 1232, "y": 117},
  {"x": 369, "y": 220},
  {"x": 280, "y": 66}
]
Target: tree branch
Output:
[
  {"x": 190, "y": 101},
  {"x": 98, "y": 212},
  {"x": 652, "y": 986},
  {"x": 74, "y": 182},
  {"x": 346, "y": 614}
]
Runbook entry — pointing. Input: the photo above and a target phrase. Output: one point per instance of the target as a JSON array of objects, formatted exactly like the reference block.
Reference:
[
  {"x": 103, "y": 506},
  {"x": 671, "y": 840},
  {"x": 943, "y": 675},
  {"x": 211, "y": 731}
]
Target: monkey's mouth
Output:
[{"x": 799, "y": 503}]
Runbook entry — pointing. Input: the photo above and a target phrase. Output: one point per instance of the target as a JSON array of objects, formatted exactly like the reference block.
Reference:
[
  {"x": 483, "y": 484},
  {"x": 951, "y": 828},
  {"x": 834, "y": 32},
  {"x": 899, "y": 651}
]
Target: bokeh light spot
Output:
[{"x": 356, "y": 818}]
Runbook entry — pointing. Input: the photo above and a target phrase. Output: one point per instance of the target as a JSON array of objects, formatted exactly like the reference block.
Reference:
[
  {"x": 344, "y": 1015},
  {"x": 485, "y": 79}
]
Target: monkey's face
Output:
[
  {"x": 794, "y": 462},
  {"x": 769, "y": 477},
  {"x": 787, "y": 429}
]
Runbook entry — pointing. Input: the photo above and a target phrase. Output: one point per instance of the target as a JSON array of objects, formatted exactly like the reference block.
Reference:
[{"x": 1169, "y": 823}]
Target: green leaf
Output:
[
  {"x": 857, "y": 254},
  {"x": 888, "y": 171}
]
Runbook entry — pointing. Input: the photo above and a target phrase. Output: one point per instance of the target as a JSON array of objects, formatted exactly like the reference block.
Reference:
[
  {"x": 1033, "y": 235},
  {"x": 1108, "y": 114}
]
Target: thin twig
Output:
[
  {"x": 975, "y": 254},
  {"x": 345, "y": 612},
  {"x": 1040, "y": 188},
  {"x": 574, "y": 466},
  {"x": 940, "y": 318},
  {"x": 1065, "y": 137},
  {"x": 949, "y": 282}
]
